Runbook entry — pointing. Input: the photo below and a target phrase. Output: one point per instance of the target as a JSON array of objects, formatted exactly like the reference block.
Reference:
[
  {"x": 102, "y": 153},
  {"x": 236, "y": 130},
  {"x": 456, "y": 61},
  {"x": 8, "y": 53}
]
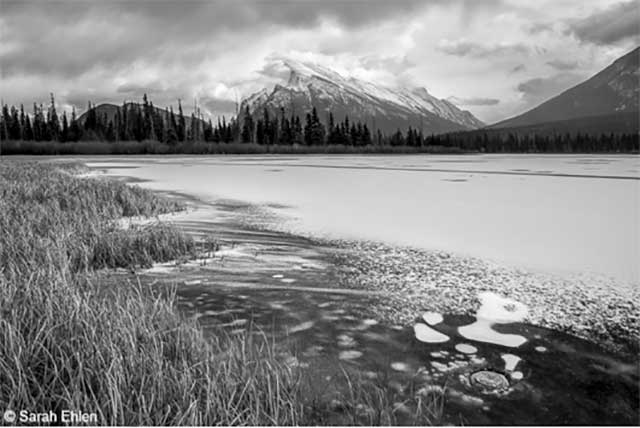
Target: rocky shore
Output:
[{"x": 416, "y": 280}]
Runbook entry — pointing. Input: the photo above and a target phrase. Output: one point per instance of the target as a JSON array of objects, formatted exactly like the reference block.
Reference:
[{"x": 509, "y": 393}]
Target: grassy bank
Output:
[
  {"x": 71, "y": 340},
  {"x": 155, "y": 147},
  {"x": 68, "y": 343}
]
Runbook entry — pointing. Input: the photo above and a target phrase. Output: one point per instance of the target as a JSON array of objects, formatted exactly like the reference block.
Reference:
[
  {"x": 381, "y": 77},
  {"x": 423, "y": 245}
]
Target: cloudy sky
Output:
[{"x": 495, "y": 58}]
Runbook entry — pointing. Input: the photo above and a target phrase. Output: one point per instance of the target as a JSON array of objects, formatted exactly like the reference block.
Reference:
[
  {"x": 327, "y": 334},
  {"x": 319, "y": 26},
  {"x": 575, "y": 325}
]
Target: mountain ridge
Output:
[
  {"x": 614, "y": 89},
  {"x": 311, "y": 85}
]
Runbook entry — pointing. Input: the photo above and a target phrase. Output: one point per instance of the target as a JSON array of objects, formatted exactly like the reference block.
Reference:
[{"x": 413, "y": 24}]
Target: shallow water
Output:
[
  {"x": 282, "y": 286},
  {"x": 568, "y": 214},
  {"x": 552, "y": 379}
]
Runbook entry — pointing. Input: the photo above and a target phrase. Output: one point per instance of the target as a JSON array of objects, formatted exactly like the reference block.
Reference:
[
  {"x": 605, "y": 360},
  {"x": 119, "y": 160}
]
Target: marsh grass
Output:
[
  {"x": 356, "y": 400},
  {"x": 68, "y": 342},
  {"x": 198, "y": 147},
  {"x": 73, "y": 336}
]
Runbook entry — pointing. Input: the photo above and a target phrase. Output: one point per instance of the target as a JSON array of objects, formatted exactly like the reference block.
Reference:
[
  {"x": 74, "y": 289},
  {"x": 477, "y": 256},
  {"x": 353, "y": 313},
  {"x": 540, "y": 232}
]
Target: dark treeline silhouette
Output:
[{"x": 144, "y": 122}]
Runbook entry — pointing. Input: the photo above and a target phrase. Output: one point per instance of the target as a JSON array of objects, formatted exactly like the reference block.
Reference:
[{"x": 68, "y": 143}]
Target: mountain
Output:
[
  {"x": 110, "y": 111},
  {"x": 311, "y": 85},
  {"x": 101, "y": 110},
  {"x": 610, "y": 96}
]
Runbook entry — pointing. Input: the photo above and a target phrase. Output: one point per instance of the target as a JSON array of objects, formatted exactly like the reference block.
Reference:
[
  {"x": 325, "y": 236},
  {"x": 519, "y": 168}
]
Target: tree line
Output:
[{"x": 142, "y": 122}]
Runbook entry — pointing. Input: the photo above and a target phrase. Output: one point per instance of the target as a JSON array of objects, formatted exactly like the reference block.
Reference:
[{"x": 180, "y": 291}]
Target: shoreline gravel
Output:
[
  {"x": 596, "y": 308},
  {"x": 420, "y": 280}
]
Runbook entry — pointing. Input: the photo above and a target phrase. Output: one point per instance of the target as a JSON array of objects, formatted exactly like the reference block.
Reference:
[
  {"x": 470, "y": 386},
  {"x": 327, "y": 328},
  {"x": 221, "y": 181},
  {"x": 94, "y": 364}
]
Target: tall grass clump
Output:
[{"x": 69, "y": 342}]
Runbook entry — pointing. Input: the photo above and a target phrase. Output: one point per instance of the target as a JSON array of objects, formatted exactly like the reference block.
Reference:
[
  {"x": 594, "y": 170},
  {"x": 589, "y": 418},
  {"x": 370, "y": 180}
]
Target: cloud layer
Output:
[{"x": 494, "y": 57}]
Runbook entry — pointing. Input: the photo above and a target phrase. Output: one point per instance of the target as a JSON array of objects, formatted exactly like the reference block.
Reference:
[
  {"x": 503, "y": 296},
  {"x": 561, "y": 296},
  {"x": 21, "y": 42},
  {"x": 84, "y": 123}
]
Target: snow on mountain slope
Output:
[{"x": 312, "y": 85}]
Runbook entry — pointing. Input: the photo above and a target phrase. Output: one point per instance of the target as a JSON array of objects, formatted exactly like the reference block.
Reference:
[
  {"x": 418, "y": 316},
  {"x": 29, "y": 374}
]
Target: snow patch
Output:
[
  {"x": 466, "y": 348},
  {"x": 426, "y": 334},
  {"x": 495, "y": 309},
  {"x": 510, "y": 361}
]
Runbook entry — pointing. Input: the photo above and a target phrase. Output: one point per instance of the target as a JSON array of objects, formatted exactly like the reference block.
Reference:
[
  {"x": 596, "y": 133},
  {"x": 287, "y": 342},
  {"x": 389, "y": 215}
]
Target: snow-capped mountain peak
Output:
[{"x": 312, "y": 85}]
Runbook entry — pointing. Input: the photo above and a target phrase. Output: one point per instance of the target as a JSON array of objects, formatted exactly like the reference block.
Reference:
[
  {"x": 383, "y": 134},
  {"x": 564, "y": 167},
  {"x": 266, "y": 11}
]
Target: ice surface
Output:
[
  {"x": 510, "y": 361},
  {"x": 495, "y": 309},
  {"x": 466, "y": 348},
  {"x": 526, "y": 220},
  {"x": 426, "y": 334}
]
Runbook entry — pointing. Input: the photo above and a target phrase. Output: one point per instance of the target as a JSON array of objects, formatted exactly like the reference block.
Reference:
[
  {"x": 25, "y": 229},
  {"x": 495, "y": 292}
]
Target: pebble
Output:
[
  {"x": 489, "y": 381},
  {"x": 517, "y": 375}
]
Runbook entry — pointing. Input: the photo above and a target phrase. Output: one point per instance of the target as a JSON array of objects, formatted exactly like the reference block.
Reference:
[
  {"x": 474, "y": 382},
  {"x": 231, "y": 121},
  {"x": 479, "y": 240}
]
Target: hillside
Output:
[{"x": 613, "y": 91}]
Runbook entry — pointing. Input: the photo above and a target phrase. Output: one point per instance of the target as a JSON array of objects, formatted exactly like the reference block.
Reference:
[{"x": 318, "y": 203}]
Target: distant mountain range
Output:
[
  {"x": 311, "y": 85},
  {"x": 607, "y": 102}
]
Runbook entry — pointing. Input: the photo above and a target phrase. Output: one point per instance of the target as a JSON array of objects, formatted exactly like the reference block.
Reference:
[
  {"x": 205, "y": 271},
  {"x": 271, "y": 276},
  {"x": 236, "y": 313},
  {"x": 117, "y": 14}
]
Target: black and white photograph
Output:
[{"x": 319, "y": 213}]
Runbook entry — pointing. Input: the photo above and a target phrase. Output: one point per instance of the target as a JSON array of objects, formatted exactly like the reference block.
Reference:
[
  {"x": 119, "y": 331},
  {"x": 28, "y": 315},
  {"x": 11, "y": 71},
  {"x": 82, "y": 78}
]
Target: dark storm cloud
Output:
[
  {"x": 559, "y": 64},
  {"x": 70, "y": 37},
  {"x": 542, "y": 88},
  {"x": 478, "y": 50},
  {"x": 608, "y": 26}
]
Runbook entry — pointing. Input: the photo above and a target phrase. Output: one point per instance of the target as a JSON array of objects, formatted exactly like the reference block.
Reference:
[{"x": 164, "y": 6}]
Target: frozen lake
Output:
[{"x": 562, "y": 214}]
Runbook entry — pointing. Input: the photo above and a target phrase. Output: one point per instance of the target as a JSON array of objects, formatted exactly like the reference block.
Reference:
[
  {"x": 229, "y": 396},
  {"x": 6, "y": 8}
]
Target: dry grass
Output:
[
  {"x": 121, "y": 349},
  {"x": 68, "y": 343}
]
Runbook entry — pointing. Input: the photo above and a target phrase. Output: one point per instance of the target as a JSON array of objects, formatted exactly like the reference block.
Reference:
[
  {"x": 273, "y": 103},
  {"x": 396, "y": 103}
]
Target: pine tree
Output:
[
  {"x": 14, "y": 125},
  {"x": 54, "y": 123},
  {"x": 4, "y": 129},
  {"x": 28, "y": 130},
  {"x": 180, "y": 130},
  {"x": 308, "y": 124},
  {"x": 74, "y": 128},
  {"x": 247, "y": 127},
  {"x": 64, "y": 134},
  {"x": 298, "y": 135},
  {"x": 317, "y": 129},
  {"x": 22, "y": 122}
]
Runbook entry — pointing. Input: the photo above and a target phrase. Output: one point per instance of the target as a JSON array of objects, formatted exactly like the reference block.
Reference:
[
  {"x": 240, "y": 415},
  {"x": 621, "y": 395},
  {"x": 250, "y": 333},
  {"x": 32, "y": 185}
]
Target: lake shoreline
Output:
[
  {"x": 310, "y": 287},
  {"x": 418, "y": 280}
]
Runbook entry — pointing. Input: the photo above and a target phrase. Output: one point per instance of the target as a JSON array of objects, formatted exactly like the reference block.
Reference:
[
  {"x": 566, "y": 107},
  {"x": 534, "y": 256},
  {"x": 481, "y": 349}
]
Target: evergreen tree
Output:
[
  {"x": 307, "y": 129},
  {"x": 317, "y": 129},
  {"x": 180, "y": 130},
  {"x": 54, "y": 123},
  {"x": 6, "y": 118},
  {"x": 28, "y": 130},
  {"x": 64, "y": 134},
  {"x": 74, "y": 128},
  {"x": 22, "y": 122},
  {"x": 247, "y": 127},
  {"x": 14, "y": 125}
]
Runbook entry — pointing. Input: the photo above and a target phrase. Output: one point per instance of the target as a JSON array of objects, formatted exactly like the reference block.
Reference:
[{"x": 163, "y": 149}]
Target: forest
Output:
[{"x": 180, "y": 133}]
